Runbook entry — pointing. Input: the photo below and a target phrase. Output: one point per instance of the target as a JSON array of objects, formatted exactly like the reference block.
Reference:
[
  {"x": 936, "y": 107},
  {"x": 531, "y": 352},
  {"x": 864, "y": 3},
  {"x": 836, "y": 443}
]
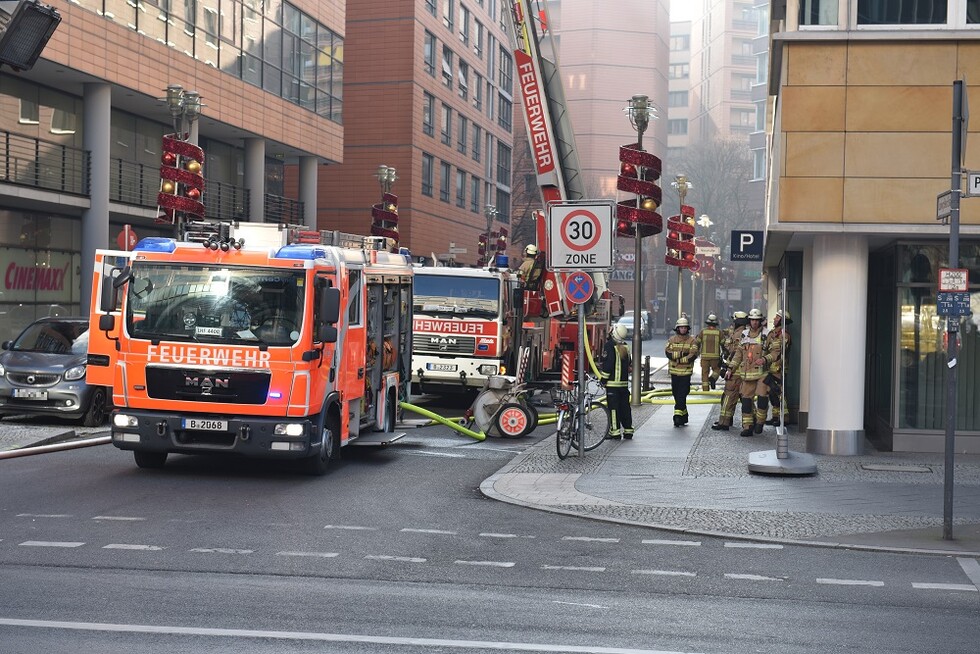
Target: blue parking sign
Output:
[{"x": 747, "y": 245}]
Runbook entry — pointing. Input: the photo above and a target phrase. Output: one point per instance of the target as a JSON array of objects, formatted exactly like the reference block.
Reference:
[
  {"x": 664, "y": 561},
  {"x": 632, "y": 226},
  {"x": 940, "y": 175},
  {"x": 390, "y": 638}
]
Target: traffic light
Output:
[
  {"x": 680, "y": 239},
  {"x": 638, "y": 174},
  {"x": 181, "y": 181},
  {"x": 26, "y": 32}
]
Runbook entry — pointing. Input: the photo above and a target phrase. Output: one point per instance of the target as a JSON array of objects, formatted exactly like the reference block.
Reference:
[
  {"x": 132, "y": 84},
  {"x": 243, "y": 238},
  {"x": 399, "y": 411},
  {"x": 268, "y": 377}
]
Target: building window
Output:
[
  {"x": 463, "y": 80},
  {"x": 503, "y": 164},
  {"x": 505, "y": 113},
  {"x": 447, "y": 66},
  {"x": 427, "y": 162},
  {"x": 431, "y": 6},
  {"x": 462, "y": 132},
  {"x": 474, "y": 194},
  {"x": 679, "y": 71},
  {"x": 445, "y": 173},
  {"x": 428, "y": 107},
  {"x": 680, "y": 42},
  {"x": 503, "y": 207},
  {"x": 464, "y": 25},
  {"x": 758, "y": 164},
  {"x": 447, "y": 124},
  {"x": 477, "y": 137},
  {"x": 429, "y": 53},
  {"x": 478, "y": 41},
  {"x": 949, "y": 13},
  {"x": 677, "y": 126},
  {"x": 478, "y": 92},
  {"x": 448, "y": 13},
  {"x": 677, "y": 99},
  {"x": 460, "y": 189},
  {"x": 506, "y": 72}
]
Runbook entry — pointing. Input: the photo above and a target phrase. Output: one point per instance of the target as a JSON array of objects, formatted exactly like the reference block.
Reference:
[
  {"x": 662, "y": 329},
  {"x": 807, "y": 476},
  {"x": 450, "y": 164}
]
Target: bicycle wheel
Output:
[
  {"x": 596, "y": 426},
  {"x": 563, "y": 437}
]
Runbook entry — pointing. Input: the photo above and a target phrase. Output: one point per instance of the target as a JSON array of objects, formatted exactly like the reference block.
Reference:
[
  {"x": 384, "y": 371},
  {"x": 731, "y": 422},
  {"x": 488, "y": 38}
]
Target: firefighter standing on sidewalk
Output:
[
  {"x": 729, "y": 344},
  {"x": 709, "y": 349},
  {"x": 681, "y": 350},
  {"x": 749, "y": 362},
  {"x": 777, "y": 347},
  {"x": 614, "y": 375}
]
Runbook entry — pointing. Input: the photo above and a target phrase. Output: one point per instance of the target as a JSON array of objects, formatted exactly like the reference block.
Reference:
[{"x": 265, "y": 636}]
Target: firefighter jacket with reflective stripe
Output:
[
  {"x": 729, "y": 343},
  {"x": 709, "y": 343},
  {"x": 776, "y": 349},
  {"x": 615, "y": 364},
  {"x": 751, "y": 348},
  {"x": 681, "y": 352}
]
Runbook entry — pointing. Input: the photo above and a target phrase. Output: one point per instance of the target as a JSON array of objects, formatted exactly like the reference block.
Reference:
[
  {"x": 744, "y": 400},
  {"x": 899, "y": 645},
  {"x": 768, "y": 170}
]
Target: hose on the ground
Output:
[{"x": 445, "y": 421}]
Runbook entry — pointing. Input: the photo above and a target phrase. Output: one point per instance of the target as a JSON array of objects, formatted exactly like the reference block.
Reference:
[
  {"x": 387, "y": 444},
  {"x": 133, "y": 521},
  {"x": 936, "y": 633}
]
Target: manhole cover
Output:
[{"x": 887, "y": 467}]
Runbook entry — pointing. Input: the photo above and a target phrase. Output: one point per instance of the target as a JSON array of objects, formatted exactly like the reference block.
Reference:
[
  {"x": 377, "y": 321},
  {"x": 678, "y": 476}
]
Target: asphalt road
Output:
[{"x": 397, "y": 551}]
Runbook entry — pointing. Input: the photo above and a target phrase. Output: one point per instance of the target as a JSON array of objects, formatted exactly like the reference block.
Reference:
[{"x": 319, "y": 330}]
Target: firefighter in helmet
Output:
[
  {"x": 709, "y": 349},
  {"x": 777, "y": 349},
  {"x": 529, "y": 273},
  {"x": 681, "y": 350},
  {"x": 750, "y": 364},
  {"x": 614, "y": 375},
  {"x": 729, "y": 343}
]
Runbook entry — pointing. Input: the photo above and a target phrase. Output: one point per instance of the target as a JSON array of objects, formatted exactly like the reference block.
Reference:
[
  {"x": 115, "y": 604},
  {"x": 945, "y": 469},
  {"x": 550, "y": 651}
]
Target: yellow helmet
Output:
[{"x": 531, "y": 250}]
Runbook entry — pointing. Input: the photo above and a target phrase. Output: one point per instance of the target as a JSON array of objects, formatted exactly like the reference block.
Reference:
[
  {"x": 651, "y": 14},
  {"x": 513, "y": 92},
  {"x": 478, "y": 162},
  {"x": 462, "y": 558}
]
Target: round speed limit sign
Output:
[{"x": 580, "y": 236}]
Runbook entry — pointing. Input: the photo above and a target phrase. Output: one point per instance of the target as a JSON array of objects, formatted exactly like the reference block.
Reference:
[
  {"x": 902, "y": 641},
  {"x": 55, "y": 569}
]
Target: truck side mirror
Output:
[
  {"x": 107, "y": 322},
  {"x": 330, "y": 304}
]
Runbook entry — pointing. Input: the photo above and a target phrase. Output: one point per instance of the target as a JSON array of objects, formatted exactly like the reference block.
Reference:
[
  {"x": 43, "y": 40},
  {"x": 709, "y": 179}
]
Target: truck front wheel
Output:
[
  {"x": 150, "y": 460},
  {"x": 319, "y": 463}
]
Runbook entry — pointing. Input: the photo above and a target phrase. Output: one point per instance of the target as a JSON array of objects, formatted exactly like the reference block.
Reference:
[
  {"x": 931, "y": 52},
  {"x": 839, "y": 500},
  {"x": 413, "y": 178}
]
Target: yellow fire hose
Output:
[{"x": 445, "y": 421}]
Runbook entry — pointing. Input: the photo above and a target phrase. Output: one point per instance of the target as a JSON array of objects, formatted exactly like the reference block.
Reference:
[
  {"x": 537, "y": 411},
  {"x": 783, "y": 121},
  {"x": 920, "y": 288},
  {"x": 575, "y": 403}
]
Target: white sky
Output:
[{"x": 681, "y": 9}]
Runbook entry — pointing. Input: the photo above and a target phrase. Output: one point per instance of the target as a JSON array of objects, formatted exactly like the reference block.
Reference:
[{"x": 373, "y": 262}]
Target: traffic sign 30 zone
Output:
[{"x": 580, "y": 236}]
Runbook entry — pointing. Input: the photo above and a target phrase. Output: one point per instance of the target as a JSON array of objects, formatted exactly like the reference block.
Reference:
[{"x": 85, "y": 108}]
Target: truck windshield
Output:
[
  {"x": 463, "y": 296},
  {"x": 215, "y": 304}
]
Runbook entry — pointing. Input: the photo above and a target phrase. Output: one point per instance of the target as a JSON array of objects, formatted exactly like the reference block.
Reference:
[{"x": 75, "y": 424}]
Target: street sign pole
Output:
[{"x": 960, "y": 118}]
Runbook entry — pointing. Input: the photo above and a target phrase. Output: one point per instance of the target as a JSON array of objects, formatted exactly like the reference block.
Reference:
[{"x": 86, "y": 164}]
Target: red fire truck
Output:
[{"x": 237, "y": 339}]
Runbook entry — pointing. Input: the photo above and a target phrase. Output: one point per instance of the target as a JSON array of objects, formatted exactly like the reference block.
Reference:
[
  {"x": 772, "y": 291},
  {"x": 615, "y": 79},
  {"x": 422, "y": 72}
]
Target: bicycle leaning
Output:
[{"x": 596, "y": 421}]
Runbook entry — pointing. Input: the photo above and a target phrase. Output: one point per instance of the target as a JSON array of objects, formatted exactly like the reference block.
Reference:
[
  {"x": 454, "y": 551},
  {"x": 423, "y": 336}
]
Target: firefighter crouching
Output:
[
  {"x": 681, "y": 350},
  {"x": 777, "y": 347},
  {"x": 614, "y": 375},
  {"x": 750, "y": 363},
  {"x": 709, "y": 350},
  {"x": 729, "y": 344}
]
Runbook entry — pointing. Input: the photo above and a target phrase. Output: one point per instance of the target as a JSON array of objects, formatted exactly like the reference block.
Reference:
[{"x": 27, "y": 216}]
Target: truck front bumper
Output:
[{"x": 253, "y": 436}]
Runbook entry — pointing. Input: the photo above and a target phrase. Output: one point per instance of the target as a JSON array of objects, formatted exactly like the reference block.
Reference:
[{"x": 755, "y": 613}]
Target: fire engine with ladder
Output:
[
  {"x": 549, "y": 326},
  {"x": 252, "y": 339}
]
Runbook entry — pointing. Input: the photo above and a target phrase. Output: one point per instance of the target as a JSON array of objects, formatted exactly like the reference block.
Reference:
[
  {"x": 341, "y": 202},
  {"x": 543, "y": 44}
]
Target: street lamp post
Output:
[
  {"x": 386, "y": 177},
  {"x": 683, "y": 185},
  {"x": 184, "y": 105},
  {"x": 639, "y": 112}
]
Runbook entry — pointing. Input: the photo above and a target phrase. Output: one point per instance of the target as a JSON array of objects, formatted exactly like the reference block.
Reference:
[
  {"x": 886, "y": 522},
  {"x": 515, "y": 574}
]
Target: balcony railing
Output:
[
  {"x": 283, "y": 210},
  {"x": 225, "y": 201},
  {"x": 43, "y": 164}
]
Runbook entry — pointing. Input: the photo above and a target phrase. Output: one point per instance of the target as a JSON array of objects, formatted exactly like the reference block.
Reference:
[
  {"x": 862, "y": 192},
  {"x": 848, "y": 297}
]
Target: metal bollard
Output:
[{"x": 646, "y": 374}]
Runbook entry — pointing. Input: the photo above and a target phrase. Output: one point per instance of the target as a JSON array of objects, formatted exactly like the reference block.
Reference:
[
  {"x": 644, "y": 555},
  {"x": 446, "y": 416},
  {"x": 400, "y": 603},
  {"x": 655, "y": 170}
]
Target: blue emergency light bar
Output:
[{"x": 156, "y": 244}]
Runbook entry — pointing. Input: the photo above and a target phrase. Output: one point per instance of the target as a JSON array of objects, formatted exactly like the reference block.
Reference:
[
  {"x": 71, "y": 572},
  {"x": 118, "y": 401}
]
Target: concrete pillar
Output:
[
  {"x": 307, "y": 189},
  {"x": 255, "y": 178},
  {"x": 95, "y": 219},
  {"x": 838, "y": 321},
  {"x": 804, "y": 321}
]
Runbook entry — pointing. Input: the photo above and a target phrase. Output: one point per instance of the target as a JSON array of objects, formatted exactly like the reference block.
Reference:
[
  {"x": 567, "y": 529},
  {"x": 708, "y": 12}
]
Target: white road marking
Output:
[
  {"x": 50, "y": 543},
  {"x": 324, "y": 555},
  {"x": 666, "y": 573},
  {"x": 756, "y": 546},
  {"x": 971, "y": 568},
  {"x": 43, "y": 515},
  {"x": 130, "y": 546},
  {"x": 591, "y": 606},
  {"x": 328, "y": 637},
  {"x": 350, "y": 527},
  {"x": 589, "y": 539},
  {"x": 386, "y": 557},
  {"x": 493, "y": 535},
  {"x": 753, "y": 577},
  {"x": 964, "y": 587},
  {"x": 574, "y": 568},
  {"x": 491, "y": 564},
  {"x": 681, "y": 543},
  {"x": 409, "y": 530},
  {"x": 118, "y": 517},
  {"x": 431, "y": 453},
  {"x": 851, "y": 582},
  {"x": 220, "y": 550}
]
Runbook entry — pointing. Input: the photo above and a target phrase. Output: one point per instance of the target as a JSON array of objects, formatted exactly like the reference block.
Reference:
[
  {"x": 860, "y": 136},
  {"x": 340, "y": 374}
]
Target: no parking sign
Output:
[{"x": 580, "y": 236}]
